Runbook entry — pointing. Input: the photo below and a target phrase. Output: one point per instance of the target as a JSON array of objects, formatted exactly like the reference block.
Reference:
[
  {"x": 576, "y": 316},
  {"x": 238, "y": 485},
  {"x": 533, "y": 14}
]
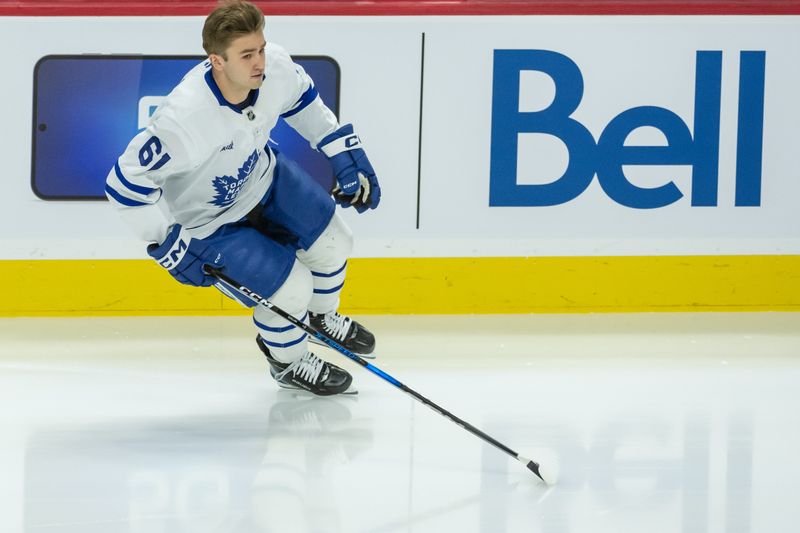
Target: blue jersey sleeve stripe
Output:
[
  {"x": 304, "y": 101},
  {"x": 323, "y": 275},
  {"x": 138, "y": 189},
  {"x": 121, "y": 199}
]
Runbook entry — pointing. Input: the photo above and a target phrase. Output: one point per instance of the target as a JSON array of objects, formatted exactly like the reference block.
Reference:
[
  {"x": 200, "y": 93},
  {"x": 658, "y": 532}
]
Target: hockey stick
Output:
[{"x": 257, "y": 298}]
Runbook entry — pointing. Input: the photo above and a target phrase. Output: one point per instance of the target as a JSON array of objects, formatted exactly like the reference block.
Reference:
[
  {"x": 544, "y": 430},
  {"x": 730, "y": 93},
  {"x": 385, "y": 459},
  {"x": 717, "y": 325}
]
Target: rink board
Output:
[{"x": 430, "y": 285}]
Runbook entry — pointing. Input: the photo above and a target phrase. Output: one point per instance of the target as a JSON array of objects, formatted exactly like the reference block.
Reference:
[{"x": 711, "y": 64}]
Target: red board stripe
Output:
[{"x": 406, "y": 7}]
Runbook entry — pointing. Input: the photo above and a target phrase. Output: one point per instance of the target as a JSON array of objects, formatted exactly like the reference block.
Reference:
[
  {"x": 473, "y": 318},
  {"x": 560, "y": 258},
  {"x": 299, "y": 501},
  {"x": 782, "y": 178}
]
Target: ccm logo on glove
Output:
[
  {"x": 175, "y": 255},
  {"x": 185, "y": 257},
  {"x": 356, "y": 182}
]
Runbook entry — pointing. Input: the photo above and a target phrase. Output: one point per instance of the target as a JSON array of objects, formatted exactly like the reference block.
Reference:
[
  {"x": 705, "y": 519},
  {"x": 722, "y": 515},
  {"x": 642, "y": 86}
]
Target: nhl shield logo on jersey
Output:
[{"x": 228, "y": 187}]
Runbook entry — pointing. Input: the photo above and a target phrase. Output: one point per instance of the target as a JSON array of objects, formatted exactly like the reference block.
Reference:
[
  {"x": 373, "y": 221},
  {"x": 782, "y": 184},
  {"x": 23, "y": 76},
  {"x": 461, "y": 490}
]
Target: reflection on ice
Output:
[
  {"x": 119, "y": 436},
  {"x": 258, "y": 471}
]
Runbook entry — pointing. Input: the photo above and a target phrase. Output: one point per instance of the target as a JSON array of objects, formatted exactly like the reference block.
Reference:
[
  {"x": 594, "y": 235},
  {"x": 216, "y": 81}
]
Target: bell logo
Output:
[{"x": 606, "y": 157}]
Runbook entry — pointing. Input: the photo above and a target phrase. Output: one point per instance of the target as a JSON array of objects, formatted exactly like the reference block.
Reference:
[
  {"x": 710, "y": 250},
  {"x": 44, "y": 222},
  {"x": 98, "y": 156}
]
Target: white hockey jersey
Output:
[{"x": 203, "y": 162}]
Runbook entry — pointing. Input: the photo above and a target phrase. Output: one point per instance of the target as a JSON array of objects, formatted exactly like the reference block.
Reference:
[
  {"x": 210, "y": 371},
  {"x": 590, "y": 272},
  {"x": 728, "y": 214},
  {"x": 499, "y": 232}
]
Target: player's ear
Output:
[{"x": 217, "y": 61}]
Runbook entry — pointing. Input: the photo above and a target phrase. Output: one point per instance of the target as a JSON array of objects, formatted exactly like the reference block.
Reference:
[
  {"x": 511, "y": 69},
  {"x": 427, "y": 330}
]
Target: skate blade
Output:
[
  {"x": 320, "y": 343},
  {"x": 352, "y": 391}
]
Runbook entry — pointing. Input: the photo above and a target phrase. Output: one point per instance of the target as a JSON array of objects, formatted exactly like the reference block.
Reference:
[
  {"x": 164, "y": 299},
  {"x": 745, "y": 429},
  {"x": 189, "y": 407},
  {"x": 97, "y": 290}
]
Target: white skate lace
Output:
[
  {"x": 336, "y": 325},
  {"x": 306, "y": 368}
]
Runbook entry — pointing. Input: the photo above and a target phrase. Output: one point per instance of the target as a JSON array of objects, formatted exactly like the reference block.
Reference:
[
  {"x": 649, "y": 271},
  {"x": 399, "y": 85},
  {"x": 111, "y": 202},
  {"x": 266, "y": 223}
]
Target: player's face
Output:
[{"x": 244, "y": 67}]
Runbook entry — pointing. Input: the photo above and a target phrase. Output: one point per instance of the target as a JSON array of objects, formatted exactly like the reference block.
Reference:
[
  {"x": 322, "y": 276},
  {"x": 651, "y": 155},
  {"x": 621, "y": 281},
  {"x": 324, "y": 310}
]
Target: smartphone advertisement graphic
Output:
[{"x": 87, "y": 108}]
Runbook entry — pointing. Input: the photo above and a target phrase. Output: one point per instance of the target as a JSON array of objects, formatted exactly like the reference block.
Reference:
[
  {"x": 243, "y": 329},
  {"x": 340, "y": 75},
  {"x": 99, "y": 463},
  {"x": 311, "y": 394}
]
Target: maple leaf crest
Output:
[{"x": 227, "y": 188}]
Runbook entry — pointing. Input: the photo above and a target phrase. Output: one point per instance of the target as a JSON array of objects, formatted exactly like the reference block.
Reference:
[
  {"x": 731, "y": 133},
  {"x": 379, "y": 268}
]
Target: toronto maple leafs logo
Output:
[{"x": 228, "y": 187}]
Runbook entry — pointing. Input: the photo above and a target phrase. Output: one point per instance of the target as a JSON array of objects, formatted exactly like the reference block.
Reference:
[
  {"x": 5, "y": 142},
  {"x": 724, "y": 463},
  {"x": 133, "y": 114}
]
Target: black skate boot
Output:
[
  {"x": 308, "y": 373},
  {"x": 344, "y": 331}
]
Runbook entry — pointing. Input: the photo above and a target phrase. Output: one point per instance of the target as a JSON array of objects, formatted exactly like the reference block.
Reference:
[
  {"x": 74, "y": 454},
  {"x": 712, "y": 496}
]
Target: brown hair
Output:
[{"x": 230, "y": 20}]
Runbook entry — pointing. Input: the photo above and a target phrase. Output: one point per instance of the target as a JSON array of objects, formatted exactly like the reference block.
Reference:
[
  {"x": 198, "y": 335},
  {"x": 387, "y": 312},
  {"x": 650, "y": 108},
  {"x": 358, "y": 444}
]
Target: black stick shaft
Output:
[{"x": 257, "y": 298}]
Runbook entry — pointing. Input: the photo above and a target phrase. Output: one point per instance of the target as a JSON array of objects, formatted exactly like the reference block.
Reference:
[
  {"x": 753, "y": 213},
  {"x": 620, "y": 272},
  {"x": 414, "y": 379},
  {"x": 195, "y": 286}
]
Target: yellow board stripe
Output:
[{"x": 429, "y": 285}]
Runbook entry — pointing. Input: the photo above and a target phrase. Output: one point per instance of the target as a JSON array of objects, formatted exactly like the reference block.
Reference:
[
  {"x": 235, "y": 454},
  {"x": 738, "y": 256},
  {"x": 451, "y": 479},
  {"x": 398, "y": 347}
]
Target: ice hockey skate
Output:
[
  {"x": 344, "y": 331},
  {"x": 309, "y": 373}
]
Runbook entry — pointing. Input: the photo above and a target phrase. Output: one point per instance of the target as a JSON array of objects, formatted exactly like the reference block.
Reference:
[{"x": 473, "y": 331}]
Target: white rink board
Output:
[{"x": 625, "y": 62}]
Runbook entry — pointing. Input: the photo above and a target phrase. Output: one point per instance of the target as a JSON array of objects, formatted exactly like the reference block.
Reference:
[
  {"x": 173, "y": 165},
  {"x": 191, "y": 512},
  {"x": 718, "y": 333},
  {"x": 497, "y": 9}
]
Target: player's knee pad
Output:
[
  {"x": 331, "y": 249},
  {"x": 293, "y": 296},
  {"x": 286, "y": 341},
  {"x": 327, "y": 260}
]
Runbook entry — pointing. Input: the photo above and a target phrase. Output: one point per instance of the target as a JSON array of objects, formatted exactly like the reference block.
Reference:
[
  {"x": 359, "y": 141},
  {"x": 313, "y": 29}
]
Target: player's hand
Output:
[
  {"x": 356, "y": 182},
  {"x": 185, "y": 257}
]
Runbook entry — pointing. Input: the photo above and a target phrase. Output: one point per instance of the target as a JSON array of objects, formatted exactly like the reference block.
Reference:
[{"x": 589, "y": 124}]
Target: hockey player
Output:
[{"x": 201, "y": 185}]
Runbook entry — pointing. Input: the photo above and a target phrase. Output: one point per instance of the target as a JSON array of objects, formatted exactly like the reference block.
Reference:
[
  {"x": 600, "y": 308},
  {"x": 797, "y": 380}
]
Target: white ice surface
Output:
[{"x": 654, "y": 422}]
